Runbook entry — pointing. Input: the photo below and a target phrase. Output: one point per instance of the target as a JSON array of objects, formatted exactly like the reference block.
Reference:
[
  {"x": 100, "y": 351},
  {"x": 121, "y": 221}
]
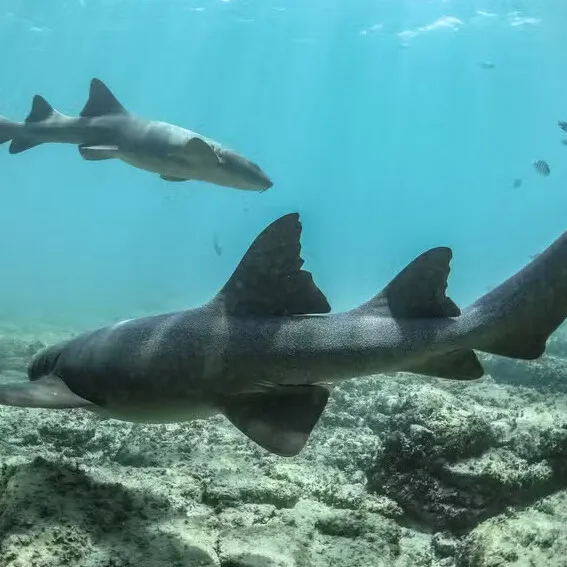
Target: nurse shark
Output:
[
  {"x": 265, "y": 351},
  {"x": 106, "y": 130}
]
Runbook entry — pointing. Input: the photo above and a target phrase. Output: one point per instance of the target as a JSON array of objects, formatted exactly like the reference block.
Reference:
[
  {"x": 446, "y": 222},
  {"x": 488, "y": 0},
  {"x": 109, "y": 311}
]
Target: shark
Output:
[
  {"x": 105, "y": 130},
  {"x": 266, "y": 351}
]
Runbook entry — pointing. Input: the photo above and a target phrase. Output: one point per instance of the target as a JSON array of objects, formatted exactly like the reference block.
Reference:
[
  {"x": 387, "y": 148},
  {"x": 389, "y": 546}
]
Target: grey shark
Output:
[
  {"x": 106, "y": 130},
  {"x": 266, "y": 351}
]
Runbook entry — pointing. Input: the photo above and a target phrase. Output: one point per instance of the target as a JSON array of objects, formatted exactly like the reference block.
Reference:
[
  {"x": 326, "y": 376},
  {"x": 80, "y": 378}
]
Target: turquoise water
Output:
[{"x": 377, "y": 121}]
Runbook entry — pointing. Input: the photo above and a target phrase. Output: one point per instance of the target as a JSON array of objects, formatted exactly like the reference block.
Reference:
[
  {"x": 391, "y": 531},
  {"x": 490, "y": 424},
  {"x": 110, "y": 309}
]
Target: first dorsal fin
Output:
[
  {"x": 269, "y": 279},
  {"x": 418, "y": 291},
  {"x": 101, "y": 101},
  {"x": 41, "y": 110}
]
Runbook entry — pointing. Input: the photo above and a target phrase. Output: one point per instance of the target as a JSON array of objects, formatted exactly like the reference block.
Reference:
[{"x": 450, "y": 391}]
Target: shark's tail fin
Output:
[
  {"x": 8, "y": 129},
  {"x": 41, "y": 111},
  {"x": 516, "y": 319}
]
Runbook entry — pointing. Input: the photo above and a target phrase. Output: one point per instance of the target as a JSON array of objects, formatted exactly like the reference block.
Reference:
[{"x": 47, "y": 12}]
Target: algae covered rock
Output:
[
  {"x": 55, "y": 515},
  {"x": 233, "y": 490},
  {"x": 401, "y": 471},
  {"x": 451, "y": 465},
  {"x": 546, "y": 374},
  {"x": 531, "y": 537}
]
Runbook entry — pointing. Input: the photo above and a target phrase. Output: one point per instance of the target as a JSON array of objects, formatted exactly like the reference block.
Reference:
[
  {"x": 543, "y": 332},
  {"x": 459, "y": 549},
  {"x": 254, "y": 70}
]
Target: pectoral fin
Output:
[
  {"x": 98, "y": 153},
  {"x": 47, "y": 392},
  {"x": 279, "y": 420},
  {"x": 199, "y": 151}
]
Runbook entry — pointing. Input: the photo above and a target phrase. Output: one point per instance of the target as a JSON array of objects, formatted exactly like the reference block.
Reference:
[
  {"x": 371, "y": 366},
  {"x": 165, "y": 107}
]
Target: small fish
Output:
[
  {"x": 517, "y": 183},
  {"x": 563, "y": 126},
  {"x": 217, "y": 246},
  {"x": 542, "y": 167},
  {"x": 487, "y": 65}
]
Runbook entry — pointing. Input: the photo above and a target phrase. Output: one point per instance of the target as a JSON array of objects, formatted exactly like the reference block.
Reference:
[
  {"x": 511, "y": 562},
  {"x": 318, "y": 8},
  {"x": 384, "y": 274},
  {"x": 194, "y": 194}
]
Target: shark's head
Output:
[
  {"x": 210, "y": 162},
  {"x": 242, "y": 173},
  {"x": 44, "y": 361}
]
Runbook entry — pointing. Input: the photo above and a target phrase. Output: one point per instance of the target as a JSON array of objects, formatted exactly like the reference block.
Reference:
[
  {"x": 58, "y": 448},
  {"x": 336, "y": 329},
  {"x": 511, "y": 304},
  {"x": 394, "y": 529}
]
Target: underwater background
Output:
[
  {"x": 392, "y": 127},
  {"x": 377, "y": 121}
]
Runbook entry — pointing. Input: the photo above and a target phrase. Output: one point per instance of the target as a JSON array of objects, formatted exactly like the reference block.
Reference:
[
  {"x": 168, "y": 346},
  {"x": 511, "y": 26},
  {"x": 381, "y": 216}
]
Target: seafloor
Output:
[{"x": 401, "y": 471}]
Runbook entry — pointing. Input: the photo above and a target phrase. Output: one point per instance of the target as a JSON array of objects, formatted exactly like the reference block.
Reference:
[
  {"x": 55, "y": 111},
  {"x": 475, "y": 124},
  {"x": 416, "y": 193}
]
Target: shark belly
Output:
[
  {"x": 165, "y": 165},
  {"x": 156, "y": 147}
]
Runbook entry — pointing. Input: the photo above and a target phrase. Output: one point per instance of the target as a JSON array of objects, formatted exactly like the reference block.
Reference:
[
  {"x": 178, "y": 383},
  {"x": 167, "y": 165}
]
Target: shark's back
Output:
[{"x": 133, "y": 359}]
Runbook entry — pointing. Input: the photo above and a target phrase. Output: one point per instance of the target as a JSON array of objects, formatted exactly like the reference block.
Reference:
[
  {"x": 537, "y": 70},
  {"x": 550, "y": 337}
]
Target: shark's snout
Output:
[
  {"x": 267, "y": 184},
  {"x": 253, "y": 178},
  {"x": 242, "y": 173}
]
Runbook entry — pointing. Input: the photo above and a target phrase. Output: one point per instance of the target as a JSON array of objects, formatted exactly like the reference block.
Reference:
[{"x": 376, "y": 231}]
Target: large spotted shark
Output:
[{"x": 265, "y": 351}]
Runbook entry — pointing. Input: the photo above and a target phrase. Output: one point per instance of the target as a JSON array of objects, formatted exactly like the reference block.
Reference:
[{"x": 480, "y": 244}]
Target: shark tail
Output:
[
  {"x": 41, "y": 111},
  {"x": 516, "y": 319}
]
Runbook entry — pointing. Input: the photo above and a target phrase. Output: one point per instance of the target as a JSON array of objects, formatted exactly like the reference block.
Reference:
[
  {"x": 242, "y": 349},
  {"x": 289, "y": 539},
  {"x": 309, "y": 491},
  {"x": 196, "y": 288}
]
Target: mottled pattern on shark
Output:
[
  {"x": 265, "y": 351},
  {"x": 106, "y": 130}
]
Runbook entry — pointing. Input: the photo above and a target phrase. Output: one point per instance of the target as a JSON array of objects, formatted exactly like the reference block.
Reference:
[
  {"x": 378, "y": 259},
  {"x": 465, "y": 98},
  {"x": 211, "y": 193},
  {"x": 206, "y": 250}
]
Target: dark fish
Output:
[
  {"x": 487, "y": 65},
  {"x": 563, "y": 126},
  {"x": 542, "y": 167},
  {"x": 265, "y": 351},
  {"x": 517, "y": 183},
  {"x": 564, "y": 142},
  {"x": 217, "y": 246}
]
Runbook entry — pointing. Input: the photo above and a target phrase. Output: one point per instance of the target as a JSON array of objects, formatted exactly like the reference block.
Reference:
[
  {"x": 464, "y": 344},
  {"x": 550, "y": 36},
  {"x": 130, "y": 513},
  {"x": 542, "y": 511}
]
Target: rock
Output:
[
  {"x": 401, "y": 471},
  {"x": 546, "y": 374},
  {"x": 263, "y": 546},
  {"x": 534, "y": 536},
  {"x": 451, "y": 465},
  {"x": 233, "y": 490}
]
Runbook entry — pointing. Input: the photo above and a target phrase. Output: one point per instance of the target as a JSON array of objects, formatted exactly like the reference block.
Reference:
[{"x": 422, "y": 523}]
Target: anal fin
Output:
[
  {"x": 279, "y": 420},
  {"x": 457, "y": 365},
  {"x": 47, "y": 392},
  {"x": 20, "y": 145},
  {"x": 98, "y": 153}
]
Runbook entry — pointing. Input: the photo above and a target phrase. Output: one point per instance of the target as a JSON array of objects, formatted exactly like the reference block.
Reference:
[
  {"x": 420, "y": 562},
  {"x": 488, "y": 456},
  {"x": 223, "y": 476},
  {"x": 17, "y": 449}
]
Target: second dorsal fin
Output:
[
  {"x": 418, "y": 291},
  {"x": 42, "y": 111}
]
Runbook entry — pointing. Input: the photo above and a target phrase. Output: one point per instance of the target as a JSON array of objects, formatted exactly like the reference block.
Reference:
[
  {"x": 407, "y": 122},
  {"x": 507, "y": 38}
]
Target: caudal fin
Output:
[
  {"x": 8, "y": 129},
  {"x": 516, "y": 319},
  {"x": 41, "y": 111}
]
